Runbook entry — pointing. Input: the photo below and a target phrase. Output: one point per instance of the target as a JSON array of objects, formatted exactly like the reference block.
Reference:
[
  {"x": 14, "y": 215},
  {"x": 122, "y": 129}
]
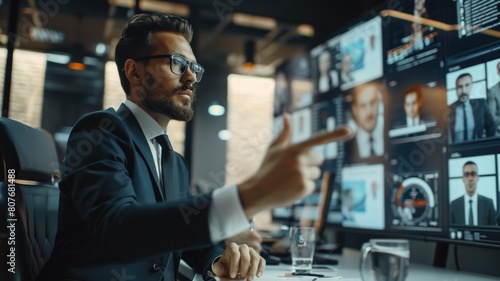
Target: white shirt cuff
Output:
[{"x": 226, "y": 217}]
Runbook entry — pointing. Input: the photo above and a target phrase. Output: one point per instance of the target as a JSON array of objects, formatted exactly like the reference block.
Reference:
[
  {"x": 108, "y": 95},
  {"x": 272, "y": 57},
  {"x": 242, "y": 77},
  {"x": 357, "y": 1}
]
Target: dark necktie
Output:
[
  {"x": 471, "y": 217},
  {"x": 372, "y": 149},
  {"x": 167, "y": 160},
  {"x": 465, "y": 123}
]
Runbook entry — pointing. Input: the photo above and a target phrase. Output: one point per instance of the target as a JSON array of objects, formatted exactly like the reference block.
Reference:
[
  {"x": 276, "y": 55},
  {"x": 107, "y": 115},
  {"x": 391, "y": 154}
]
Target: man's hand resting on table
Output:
[{"x": 239, "y": 261}]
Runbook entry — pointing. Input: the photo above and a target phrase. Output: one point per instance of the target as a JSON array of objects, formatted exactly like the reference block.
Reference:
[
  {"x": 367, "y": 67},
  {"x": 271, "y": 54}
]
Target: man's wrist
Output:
[
  {"x": 249, "y": 202},
  {"x": 210, "y": 275}
]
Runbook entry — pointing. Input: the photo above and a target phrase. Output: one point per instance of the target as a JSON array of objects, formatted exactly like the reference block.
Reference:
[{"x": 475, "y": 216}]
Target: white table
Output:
[{"x": 348, "y": 268}]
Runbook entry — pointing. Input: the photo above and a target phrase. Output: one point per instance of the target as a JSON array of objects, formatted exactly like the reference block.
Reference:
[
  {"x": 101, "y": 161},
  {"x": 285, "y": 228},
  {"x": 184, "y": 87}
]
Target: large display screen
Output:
[{"x": 419, "y": 83}]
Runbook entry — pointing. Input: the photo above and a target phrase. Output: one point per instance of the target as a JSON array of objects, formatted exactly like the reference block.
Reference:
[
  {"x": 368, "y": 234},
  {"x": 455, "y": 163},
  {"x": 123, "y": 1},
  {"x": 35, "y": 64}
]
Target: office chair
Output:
[{"x": 29, "y": 156}]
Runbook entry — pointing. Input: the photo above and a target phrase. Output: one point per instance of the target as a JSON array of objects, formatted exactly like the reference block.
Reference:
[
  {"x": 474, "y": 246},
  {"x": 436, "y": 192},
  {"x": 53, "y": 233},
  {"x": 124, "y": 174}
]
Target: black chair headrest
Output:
[{"x": 31, "y": 152}]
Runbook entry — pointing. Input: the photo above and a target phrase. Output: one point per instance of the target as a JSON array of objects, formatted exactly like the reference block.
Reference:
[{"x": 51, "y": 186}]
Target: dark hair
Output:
[
  {"x": 136, "y": 39},
  {"x": 469, "y": 163},
  {"x": 463, "y": 75},
  {"x": 416, "y": 89}
]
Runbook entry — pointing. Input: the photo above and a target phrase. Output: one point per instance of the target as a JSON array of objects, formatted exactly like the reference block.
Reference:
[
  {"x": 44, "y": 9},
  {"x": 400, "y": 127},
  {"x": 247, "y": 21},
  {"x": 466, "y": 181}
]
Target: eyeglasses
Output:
[
  {"x": 470, "y": 174},
  {"x": 179, "y": 64}
]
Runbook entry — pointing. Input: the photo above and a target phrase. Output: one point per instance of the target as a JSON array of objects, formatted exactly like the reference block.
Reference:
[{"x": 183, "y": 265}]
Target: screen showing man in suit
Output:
[
  {"x": 365, "y": 108},
  {"x": 328, "y": 78},
  {"x": 126, "y": 210},
  {"x": 413, "y": 120},
  {"x": 471, "y": 119},
  {"x": 412, "y": 103},
  {"x": 346, "y": 68},
  {"x": 472, "y": 208},
  {"x": 494, "y": 101}
]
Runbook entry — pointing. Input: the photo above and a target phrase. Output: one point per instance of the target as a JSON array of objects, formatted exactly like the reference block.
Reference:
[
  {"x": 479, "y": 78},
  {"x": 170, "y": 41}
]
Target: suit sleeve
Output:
[
  {"x": 489, "y": 122},
  {"x": 453, "y": 220},
  {"x": 492, "y": 213},
  {"x": 201, "y": 260},
  {"x": 494, "y": 106},
  {"x": 98, "y": 182}
]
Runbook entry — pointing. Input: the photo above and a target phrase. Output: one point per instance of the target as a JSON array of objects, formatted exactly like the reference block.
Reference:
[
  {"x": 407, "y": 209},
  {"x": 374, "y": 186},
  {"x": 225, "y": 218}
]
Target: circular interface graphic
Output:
[{"x": 414, "y": 200}]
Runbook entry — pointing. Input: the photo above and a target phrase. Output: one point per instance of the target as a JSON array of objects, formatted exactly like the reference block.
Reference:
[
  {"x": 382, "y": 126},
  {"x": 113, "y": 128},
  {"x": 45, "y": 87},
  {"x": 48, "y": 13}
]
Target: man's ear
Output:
[{"x": 133, "y": 70}]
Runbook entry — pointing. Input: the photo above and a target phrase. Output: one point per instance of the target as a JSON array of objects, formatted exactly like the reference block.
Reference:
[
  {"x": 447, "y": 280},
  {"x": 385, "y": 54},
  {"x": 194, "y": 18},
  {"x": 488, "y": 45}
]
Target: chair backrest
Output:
[{"x": 29, "y": 200}]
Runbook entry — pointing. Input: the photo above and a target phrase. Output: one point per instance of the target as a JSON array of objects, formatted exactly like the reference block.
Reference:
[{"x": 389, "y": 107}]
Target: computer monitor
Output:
[
  {"x": 319, "y": 211},
  {"x": 419, "y": 83}
]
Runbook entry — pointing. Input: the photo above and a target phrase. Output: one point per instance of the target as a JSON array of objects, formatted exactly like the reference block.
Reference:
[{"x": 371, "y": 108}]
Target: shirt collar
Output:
[
  {"x": 412, "y": 121},
  {"x": 150, "y": 128},
  {"x": 474, "y": 197}
]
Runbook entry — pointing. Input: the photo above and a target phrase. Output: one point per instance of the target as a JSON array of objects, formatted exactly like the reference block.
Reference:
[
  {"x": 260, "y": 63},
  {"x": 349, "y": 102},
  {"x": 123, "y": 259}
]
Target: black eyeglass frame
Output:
[
  {"x": 470, "y": 174},
  {"x": 189, "y": 64}
]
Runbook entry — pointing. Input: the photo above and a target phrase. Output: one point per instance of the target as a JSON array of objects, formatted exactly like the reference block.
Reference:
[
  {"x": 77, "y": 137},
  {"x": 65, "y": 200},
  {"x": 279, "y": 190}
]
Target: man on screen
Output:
[
  {"x": 346, "y": 69},
  {"x": 368, "y": 140},
  {"x": 470, "y": 119},
  {"x": 494, "y": 101},
  {"x": 412, "y": 104},
  {"x": 472, "y": 208},
  {"x": 327, "y": 78}
]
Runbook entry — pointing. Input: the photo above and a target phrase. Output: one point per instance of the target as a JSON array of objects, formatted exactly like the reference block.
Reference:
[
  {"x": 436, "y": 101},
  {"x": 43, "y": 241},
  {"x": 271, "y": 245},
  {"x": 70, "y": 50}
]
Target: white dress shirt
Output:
[
  {"x": 363, "y": 141},
  {"x": 226, "y": 217},
  {"x": 412, "y": 121}
]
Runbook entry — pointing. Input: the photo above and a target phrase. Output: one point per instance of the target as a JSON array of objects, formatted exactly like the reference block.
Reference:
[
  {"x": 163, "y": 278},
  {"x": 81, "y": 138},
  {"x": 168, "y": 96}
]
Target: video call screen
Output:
[{"x": 418, "y": 81}]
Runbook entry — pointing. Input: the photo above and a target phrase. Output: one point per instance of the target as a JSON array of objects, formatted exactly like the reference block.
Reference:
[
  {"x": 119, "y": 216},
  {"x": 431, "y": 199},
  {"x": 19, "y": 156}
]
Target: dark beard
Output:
[
  {"x": 463, "y": 97},
  {"x": 184, "y": 112}
]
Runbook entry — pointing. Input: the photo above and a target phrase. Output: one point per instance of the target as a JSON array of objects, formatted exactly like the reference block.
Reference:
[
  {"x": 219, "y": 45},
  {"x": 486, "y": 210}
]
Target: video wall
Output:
[{"x": 419, "y": 83}]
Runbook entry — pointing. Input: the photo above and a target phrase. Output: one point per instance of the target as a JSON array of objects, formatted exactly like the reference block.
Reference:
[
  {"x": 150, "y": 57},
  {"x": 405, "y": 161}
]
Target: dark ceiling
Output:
[{"x": 218, "y": 35}]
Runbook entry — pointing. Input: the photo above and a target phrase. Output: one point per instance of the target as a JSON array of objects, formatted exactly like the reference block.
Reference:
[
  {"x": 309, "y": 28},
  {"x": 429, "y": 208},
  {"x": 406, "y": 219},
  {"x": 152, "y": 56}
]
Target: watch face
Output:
[{"x": 413, "y": 202}]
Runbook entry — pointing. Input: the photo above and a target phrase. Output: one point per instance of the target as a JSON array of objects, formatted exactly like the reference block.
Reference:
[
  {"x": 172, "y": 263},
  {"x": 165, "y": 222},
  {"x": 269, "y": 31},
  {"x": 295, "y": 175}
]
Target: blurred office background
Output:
[{"x": 62, "y": 68}]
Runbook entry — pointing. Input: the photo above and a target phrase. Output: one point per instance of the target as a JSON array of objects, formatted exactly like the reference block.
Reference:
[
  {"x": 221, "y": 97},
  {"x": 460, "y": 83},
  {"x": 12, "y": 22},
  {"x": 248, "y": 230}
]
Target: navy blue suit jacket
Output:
[
  {"x": 486, "y": 213},
  {"x": 114, "y": 220},
  {"x": 483, "y": 119}
]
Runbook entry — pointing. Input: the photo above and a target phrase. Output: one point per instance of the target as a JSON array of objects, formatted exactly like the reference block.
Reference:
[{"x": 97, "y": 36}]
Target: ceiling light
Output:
[
  {"x": 76, "y": 61},
  {"x": 249, "y": 55},
  {"x": 46, "y": 35},
  {"x": 224, "y": 135},
  {"x": 77, "y": 50},
  {"x": 215, "y": 109},
  {"x": 155, "y": 6},
  {"x": 58, "y": 58},
  {"x": 254, "y": 21},
  {"x": 100, "y": 49}
]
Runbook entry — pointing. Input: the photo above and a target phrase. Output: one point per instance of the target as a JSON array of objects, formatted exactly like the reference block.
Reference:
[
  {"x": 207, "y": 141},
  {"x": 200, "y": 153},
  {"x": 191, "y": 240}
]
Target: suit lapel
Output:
[
  {"x": 142, "y": 146},
  {"x": 451, "y": 129},
  {"x": 478, "y": 114},
  {"x": 461, "y": 211}
]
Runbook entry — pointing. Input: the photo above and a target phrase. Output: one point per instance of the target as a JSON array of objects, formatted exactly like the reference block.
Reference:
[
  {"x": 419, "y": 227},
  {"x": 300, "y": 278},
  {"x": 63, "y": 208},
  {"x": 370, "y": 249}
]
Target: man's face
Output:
[
  {"x": 324, "y": 62},
  {"x": 464, "y": 88},
  {"x": 412, "y": 105},
  {"x": 164, "y": 92},
  {"x": 470, "y": 178},
  {"x": 365, "y": 108}
]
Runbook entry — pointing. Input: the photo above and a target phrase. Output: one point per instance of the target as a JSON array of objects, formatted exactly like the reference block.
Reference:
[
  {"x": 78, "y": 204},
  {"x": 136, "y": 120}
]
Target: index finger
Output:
[{"x": 339, "y": 134}]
